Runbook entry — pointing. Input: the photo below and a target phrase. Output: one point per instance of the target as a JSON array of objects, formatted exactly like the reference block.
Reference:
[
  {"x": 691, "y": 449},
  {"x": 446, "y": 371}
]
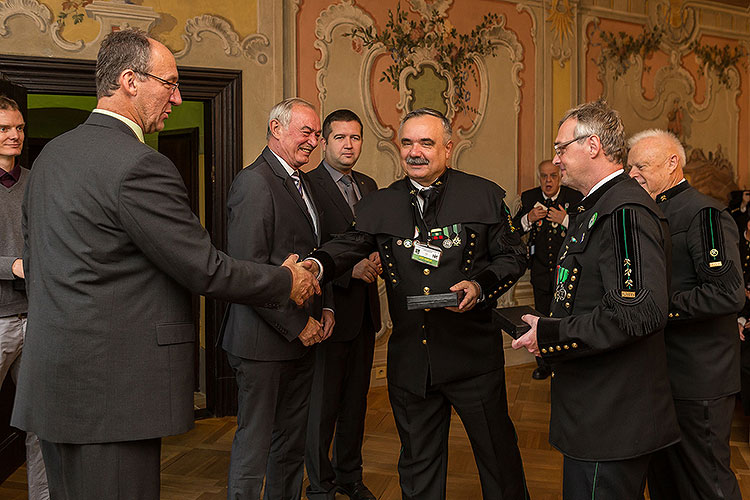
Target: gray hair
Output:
[
  {"x": 121, "y": 50},
  {"x": 447, "y": 129},
  {"x": 598, "y": 118},
  {"x": 664, "y": 135},
  {"x": 282, "y": 112}
]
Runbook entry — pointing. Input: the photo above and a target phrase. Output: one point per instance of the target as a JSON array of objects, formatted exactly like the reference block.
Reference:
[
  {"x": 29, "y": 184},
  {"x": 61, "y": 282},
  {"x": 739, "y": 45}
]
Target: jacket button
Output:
[
  {"x": 544, "y": 350},
  {"x": 570, "y": 287},
  {"x": 426, "y": 272},
  {"x": 572, "y": 278},
  {"x": 426, "y": 290},
  {"x": 575, "y": 270},
  {"x": 558, "y": 348},
  {"x": 427, "y": 310},
  {"x": 567, "y": 304},
  {"x": 424, "y": 341},
  {"x": 566, "y": 347},
  {"x": 393, "y": 281},
  {"x": 574, "y": 345}
]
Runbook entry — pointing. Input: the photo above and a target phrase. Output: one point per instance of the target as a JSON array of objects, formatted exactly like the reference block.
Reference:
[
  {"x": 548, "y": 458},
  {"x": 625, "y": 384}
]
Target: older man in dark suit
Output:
[
  {"x": 111, "y": 254},
  {"x": 273, "y": 211},
  {"x": 344, "y": 361}
]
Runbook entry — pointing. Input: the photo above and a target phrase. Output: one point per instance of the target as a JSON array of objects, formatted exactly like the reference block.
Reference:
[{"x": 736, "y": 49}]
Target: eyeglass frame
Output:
[
  {"x": 175, "y": 85},
  {"x": 560, "y": 148}
]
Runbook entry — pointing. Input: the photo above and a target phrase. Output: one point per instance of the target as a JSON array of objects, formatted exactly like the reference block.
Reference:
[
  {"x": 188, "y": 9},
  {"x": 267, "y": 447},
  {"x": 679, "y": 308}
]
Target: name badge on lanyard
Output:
[{"x": 426, "y": 254}]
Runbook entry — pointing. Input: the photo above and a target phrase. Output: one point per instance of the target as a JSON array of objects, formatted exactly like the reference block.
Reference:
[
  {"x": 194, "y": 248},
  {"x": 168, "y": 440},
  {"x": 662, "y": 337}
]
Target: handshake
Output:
[{"x": 304, "y": 278}]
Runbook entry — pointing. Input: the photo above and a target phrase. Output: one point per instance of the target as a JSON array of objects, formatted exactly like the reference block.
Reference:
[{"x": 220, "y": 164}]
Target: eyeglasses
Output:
[
  {"x": 174, "y": 85},
  {"x": 560, "y": 148}
]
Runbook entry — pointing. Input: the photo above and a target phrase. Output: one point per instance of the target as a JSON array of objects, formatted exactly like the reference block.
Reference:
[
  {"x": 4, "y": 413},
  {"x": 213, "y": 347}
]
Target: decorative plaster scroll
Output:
[
  {"x": 195, "y": 27},
  {"x": 337, "y": 15},
  {"x": 254, "y": 46},
  {"x": 29, "y": 8},
  {"x": 679, "y": 33},
  {"x": 63, "y": 43},
  {"x": 425, "y": 9},
  {"x": 507, "y": 40},
  {"x": 422, "y": 57},
  {"x": 120, "y": 15},
  {"x": 521, "y": 7}
]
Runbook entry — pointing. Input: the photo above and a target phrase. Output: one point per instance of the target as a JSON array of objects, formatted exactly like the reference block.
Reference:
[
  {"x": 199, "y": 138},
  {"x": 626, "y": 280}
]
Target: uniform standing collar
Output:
[{"x": 673, "y": 191}]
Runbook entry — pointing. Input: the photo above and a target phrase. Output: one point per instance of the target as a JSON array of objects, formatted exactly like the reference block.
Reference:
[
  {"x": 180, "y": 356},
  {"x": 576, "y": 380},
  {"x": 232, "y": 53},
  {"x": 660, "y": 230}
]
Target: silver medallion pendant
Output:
[{"x": 447, "y": 243}]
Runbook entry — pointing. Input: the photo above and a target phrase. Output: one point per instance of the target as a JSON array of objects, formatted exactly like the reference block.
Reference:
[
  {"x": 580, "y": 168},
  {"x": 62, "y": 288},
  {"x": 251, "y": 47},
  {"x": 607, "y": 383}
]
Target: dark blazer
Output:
[
  {"x": 356, "y": 301},
  {"x": 436, "y": 343},
  {"x": 268, "y": 220},
  {"x": 610, "y": 393},
  {"x": 112, "y": 252},
  {"x": 706, "y": 293},
  {"x": 545, "y": 237}
]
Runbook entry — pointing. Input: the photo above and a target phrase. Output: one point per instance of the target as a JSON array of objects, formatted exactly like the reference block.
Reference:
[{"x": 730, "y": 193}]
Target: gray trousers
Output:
[{"x": 12, "y": 331}]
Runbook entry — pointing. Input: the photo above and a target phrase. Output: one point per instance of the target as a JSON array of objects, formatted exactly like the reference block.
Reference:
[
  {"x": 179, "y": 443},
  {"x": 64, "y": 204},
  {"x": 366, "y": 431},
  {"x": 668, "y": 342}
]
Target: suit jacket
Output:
[
  {"x": 706, "y": 293},
  {"x": 268, "y": 220},
  {"x": 545, "y": 237},
  {"x": 357, "y": 302},
  {"x": 111, "y": 254},
  {"x": 434, "y": 346},
  {"x": 605, "y": 340}
]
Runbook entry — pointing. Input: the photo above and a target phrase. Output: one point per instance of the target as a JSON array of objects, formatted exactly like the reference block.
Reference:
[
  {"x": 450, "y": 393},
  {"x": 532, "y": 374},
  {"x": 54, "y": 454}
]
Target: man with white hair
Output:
[{"x": 703, "y": 348}]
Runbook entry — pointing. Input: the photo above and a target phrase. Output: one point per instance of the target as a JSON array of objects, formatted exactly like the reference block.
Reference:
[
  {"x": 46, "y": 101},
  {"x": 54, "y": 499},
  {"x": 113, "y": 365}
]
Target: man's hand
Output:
[
  {"x": 304, "y": 283},
  {"x": 17, "y": 268},
  {"x": 312, "y": 333},
  {"x": 471, "y": 295},
  {"x": 528, "y": 339},
  {"x": 328, "y": 322},
  {"x": 311, "y": 266},
  {"x": 367, "y": 270},
  {"x": 538, "y": 212},
  {"x": 741, "y": 328},
  {"x": 556, "y": 214}
]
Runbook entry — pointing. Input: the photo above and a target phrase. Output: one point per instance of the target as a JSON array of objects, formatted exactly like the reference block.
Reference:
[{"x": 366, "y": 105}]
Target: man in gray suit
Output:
[
  {"x": 271, "y": 210},
  {"x": 111, "y": 254}
]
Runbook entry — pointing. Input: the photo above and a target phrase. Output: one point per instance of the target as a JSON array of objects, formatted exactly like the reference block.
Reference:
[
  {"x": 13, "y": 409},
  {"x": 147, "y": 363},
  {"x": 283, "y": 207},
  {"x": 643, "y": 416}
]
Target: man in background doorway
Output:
[
  {"x": 544, "y": 216},
  {"x": 344, "y": 361},
  {"x": 13, "y": 305}
]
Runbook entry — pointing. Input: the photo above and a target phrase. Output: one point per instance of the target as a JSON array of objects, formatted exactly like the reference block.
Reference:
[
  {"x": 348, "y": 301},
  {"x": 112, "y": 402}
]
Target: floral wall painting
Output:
[{"x": 412, "y": 42}]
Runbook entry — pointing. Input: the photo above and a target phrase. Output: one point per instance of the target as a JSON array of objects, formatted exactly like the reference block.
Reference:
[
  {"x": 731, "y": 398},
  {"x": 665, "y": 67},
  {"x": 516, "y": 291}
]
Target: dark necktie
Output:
[
  {"x": 548, "y": 202},
  {"x": 349, "y": 193},
  {"x": 428, "y": 207}
]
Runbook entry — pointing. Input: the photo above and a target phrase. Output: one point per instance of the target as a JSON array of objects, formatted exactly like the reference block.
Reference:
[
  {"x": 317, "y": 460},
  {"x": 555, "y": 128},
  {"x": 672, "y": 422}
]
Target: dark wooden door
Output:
[
  {"x": 12, "y": 449},
  {"x": 181, "y": 146}
]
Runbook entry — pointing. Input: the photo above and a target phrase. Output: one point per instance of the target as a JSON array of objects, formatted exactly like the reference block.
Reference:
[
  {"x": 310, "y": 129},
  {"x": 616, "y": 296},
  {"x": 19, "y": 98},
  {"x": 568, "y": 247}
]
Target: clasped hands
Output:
[
  {"x": 528, "y": 339},
  {"x": 552, "y": 214}
]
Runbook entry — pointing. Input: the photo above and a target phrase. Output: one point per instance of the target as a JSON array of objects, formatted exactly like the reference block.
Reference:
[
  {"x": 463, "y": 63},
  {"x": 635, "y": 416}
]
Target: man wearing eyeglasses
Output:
[
  {"x": 111, "y": 255},
  {"x": 703, "y": 348},
  {"x": 611, "y": 401}
]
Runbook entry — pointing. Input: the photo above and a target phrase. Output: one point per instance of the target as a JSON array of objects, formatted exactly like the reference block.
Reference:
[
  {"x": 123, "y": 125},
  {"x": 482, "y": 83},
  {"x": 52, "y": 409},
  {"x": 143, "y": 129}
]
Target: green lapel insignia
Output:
[{"x": 593, "y": 218}]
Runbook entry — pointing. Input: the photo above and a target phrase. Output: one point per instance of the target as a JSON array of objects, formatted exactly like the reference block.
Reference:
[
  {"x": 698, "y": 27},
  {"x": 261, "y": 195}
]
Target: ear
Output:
[
  {"x": 129, "y": 82},
  {"x": 448, "y": 149},
  {"x": 594, "y": 146},
  {"x": 672, "y": 164},
  {"x": 275, "y": 127}
]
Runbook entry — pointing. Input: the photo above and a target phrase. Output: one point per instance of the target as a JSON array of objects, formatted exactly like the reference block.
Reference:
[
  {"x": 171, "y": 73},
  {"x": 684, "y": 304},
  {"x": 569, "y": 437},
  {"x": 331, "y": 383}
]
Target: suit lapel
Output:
[
  {"x": 325, "y": 181},
  {"x": 289, "y": 185}
]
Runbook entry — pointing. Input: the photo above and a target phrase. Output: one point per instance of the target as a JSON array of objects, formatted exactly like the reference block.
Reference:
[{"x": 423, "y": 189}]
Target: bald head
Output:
[
  {"x": 549, "y": 178},
  {"x": 656, "y": 160}
]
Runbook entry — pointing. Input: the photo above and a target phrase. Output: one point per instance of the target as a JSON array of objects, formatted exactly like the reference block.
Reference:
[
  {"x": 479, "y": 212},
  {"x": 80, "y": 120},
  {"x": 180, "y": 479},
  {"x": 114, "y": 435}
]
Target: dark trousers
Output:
[
  {"x": 697, "y": 467},
  {"x": 271, "y": 424},
  {"x": 543, "y": 304},
  {"x": 611, "y": 480},
  {"x": 338, "y": 401},
  {"x": 423, "y": 424},
  {"x": 126, "y": 470}
]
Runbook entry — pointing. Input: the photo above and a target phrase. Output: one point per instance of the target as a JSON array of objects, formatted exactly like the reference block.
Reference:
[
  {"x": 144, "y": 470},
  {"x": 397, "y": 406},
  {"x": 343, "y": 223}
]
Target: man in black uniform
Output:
[
  {"x": 703, "y": 349},
  {"x": 344, "y": 361},
  {"x": 611, "y": 403},
  {"x": 438, "y": 230},
  {"x": 743, "y": 319},
  {"x": 544, "y": 216}
]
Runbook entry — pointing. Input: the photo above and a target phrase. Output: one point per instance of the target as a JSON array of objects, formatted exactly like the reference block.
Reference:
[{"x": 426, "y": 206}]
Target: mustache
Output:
[{"x": 416, "y": 160}]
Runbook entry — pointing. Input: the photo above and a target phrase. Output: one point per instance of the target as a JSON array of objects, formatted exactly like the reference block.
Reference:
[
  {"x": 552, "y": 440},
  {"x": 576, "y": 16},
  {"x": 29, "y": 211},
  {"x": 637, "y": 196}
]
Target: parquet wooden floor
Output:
[{"x": 194, "y": 465}]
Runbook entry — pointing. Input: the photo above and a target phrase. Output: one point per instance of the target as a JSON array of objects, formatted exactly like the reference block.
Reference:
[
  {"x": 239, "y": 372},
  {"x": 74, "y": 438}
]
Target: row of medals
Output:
[{"x": 447, "y": 242}]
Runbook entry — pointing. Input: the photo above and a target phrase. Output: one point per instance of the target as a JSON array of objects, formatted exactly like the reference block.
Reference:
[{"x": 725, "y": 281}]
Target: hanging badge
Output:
[{"x": 426, "y": 254}]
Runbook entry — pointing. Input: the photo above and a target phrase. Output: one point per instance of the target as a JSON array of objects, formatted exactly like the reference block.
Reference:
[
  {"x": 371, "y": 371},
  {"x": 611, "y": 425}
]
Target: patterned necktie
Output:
[
  {"x": 349, "y": 193},
  {"x": 298, "y": 182}
]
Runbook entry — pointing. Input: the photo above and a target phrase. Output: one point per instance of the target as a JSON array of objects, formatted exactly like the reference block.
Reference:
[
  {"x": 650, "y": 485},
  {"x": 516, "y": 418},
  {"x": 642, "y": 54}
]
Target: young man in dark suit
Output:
[
  {"x": 703, "y": 348},
  {"x": 111, "y": 255},
  {"x": 344, "y": 361},
  {"x": 272, "y": 211},
  {"x": 544, "y": 216}
]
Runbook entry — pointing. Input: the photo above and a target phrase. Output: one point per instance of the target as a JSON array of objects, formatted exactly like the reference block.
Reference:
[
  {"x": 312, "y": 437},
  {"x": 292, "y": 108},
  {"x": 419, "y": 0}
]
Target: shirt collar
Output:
[
  {"x": 289, "y": 170},
  {"x": 127, "y": 121},
  {"x": 335, "y": 174},
  {"x": 604, "y": 181},
  {"x": 553, "y": 198},
  {"x": 15, "y": 172}
]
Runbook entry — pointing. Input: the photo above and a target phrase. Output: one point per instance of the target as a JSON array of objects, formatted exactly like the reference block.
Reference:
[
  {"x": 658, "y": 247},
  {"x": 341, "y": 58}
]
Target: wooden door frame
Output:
[{"x": 221, "y": 91}]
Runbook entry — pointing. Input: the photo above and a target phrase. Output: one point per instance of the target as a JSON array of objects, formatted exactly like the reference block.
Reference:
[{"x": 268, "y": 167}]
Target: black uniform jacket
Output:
[
  {"x": 703, "y": 348},
  {"x": 610, "y": 391},
  {"x": 356, "y": 302},
  {"x": 545, "y": 237},
  {"x": 437, "y": 346}
]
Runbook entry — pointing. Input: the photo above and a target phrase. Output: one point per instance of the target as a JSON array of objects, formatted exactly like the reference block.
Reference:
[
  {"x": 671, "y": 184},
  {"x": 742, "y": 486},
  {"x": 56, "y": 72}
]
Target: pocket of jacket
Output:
[{"x": 175, "y": 333}]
